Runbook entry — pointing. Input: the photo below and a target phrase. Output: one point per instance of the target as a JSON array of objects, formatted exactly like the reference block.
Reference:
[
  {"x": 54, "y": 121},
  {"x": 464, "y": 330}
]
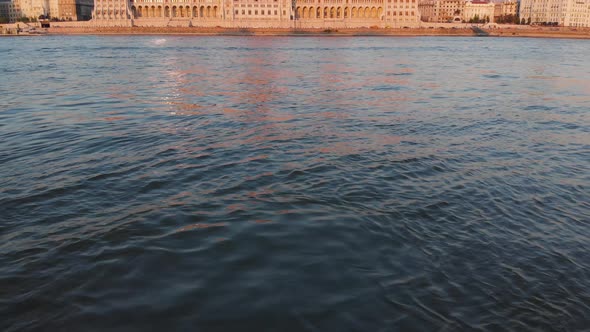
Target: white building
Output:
[
  {"x": 33, "y": 8},
  {"x": 575, "y": 13},
  {"x": 477, "y": 9}
]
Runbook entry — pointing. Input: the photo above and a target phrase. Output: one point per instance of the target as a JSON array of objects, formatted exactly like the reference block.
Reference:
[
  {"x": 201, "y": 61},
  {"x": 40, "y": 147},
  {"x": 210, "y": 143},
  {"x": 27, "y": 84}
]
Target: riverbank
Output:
[
  {"x": 524, "y": 31},
  {"x": 425, "y": 30},
  {"x": 541, "y": 32},
  {"x": 259, "y": 32}
]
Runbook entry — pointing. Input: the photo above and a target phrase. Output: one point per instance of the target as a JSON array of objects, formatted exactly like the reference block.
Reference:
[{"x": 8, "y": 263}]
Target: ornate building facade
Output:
[{"x": 257, "y": 13}]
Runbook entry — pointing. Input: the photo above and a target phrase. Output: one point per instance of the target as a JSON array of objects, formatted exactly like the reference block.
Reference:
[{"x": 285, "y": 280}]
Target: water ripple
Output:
[{"x": 225, "y": 183}]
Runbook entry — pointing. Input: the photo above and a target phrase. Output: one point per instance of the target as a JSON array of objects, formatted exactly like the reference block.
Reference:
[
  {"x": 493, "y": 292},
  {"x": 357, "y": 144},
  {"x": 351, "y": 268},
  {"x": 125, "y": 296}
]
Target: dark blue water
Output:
[{"x": 159, "y": 183}]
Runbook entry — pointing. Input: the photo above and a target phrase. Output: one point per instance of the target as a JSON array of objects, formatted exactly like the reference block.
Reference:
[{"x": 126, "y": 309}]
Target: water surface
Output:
[{"x": 290, "y": 184}]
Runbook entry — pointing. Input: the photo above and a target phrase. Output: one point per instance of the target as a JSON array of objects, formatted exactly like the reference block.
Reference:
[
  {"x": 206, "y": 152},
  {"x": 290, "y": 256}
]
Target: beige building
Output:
[
  {"x": 5, "y": 11},
  {"x": 506, "y": 12},
  {"x": 258, "y": 13},
  {"x": 478, "y": 10},
  {"x": 73, "y": 10},
  {"x": 441, "y": 10},
  {"x": 10, "y": 11},
  {"x": 575, "y": 13},
  {"x": 67, "y": 10},
  {"x": 32, "y": 8}
]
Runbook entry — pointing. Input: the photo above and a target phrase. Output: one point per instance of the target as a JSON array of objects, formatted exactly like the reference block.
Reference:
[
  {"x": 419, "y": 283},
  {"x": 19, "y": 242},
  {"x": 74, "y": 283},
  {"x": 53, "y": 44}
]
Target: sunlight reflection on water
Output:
[{"x": 229, "y": 183}]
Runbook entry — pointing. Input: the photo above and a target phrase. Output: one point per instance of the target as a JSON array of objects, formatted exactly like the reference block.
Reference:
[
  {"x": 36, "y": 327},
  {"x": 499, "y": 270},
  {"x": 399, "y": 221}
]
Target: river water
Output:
[{"x": 288, "y": 184}]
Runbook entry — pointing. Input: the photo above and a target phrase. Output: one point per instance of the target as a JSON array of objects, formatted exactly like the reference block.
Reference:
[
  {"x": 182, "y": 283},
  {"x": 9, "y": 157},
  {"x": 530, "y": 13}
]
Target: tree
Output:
[
  {"x": 523, "y": 21},
  {"x": 3, "y": 20}
]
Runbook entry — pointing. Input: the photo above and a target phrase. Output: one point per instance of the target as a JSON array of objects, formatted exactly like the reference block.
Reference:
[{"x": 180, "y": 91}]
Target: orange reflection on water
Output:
[
  {"x": 201, "y": 226},
  {"x": 236, "y": 207},
  {"x": 263, "y": 221},
  {"x": 259, "y": 193},
  {"x": 179, "y": 199},
  {"x": 114, "y": 118},
  {"x": 257, "y": 176},
  {"x": 358, "y": 142}
]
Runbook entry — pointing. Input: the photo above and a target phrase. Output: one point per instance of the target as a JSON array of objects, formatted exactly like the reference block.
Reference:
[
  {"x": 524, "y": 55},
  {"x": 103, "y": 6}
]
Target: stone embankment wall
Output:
[
  {"x": 264, "y": 31},
  {"x": 23, "y": 28},
  {"x": 214, "y": 28},
  {"x": 264, "y": 24},
  {"x": 285, "y": 24}
]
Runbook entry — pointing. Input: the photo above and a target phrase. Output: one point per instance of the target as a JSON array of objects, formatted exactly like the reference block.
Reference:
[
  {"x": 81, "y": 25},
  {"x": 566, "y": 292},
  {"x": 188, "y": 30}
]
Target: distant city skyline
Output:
[{"x": 300, "y": 13}]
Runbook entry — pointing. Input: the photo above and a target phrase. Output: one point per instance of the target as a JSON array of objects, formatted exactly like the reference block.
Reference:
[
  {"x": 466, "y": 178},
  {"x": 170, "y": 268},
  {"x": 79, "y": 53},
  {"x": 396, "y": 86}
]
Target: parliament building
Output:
[{"x": 257, "y": 13}]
